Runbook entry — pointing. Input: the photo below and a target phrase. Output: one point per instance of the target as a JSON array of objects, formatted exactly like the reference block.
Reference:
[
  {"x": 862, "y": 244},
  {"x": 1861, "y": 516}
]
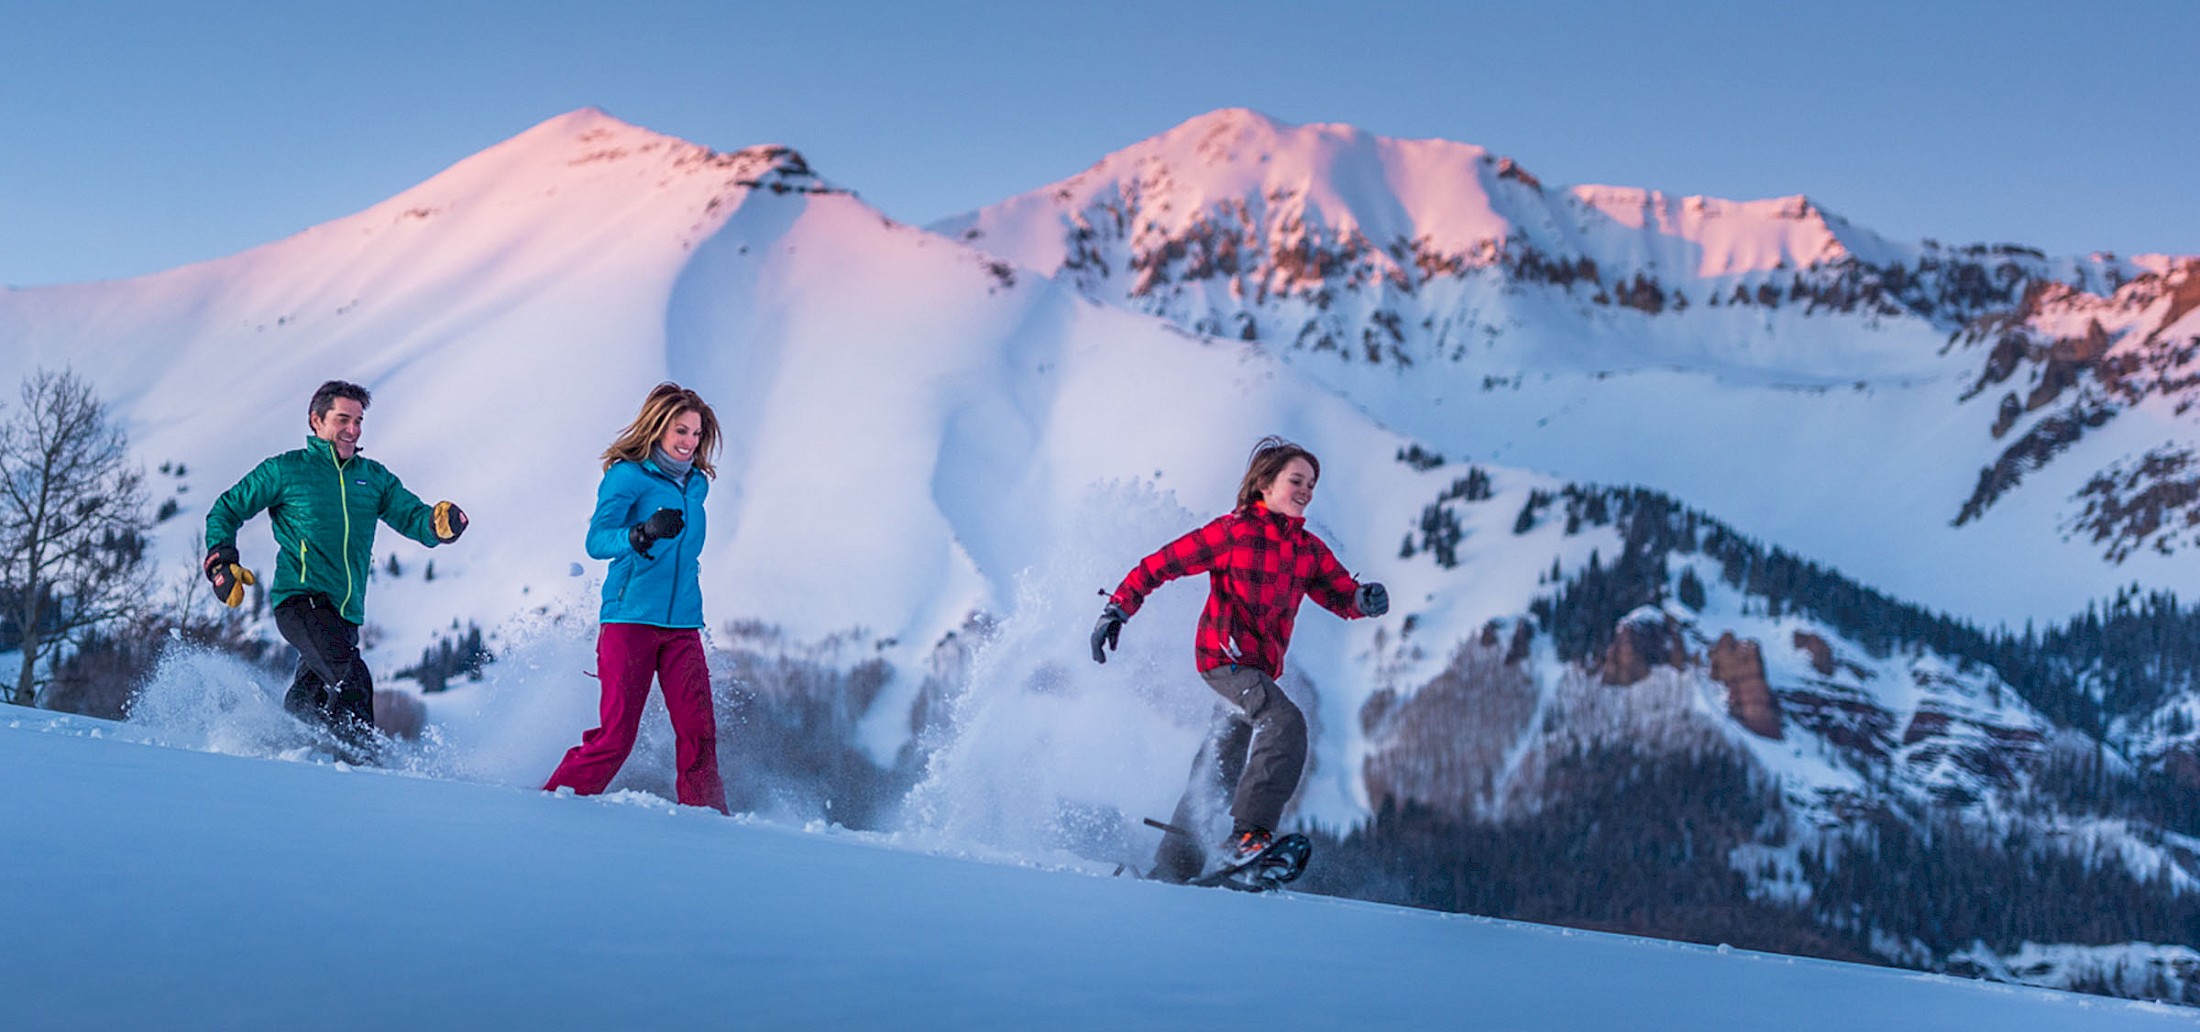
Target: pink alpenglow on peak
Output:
[{"x": 1448, "y": 204}]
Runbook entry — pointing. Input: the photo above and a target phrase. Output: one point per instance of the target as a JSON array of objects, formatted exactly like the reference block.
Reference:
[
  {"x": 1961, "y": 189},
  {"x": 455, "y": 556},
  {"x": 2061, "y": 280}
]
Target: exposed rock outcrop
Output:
[
  {"x": 2149, "y": 501},
  {"x": 1643, "y": 641},
  {"x": 1517, "y": 647},
  {"x": 1960, "y": 756},
  {"x": 1821, "y": 654},
  {"x": 1740, "y": 666}
]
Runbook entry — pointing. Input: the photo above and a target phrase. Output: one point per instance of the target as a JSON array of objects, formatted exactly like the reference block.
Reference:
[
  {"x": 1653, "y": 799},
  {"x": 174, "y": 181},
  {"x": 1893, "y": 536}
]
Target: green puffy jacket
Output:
[{"x": 324, "y": 512}]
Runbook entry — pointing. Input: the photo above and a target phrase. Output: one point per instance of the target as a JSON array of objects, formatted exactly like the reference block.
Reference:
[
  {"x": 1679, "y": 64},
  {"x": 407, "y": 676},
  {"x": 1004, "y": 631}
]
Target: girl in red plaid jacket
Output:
[{"x": 1260, "y": 560}]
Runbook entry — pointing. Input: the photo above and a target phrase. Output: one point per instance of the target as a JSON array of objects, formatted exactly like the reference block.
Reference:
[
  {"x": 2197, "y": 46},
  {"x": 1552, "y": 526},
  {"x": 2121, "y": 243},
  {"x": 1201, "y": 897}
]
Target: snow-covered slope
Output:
[
  {"x": 1813, "y": 382},
  {"x": 226, "y": 892},
  {"x": 908, "y": 425},
  {"x": 505, "y": 312},
  {"x": 916, "y": 433},
  {"x": 937, "y": 458}
]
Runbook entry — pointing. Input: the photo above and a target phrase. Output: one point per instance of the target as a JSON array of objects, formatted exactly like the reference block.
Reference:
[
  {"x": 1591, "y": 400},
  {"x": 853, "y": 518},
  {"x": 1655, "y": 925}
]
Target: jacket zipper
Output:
[
  {"x": 672, "y": 598},
  {"x": 343, "y": 501}
]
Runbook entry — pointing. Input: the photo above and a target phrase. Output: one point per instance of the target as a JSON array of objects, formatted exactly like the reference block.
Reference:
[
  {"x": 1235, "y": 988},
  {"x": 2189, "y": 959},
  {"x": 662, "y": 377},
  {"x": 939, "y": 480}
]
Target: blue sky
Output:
[{"x": 135, "y": 137}]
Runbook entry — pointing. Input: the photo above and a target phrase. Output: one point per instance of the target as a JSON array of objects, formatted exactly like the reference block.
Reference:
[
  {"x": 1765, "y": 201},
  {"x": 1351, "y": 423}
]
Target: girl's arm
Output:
[
  {"x": 1196, "y": 552},
  {"x": 1330, "y": 586}
]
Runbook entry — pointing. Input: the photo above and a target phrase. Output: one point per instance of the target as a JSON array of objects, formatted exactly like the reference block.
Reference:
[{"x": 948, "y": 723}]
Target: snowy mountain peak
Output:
[
  {"x": 933, "y": 459},
  {"x": 1739, "y": 237},
  {"x": 1413, "y": 208},
  {"x": 540, "y": 267},
  {"x": 1414, "y": 275},
  {"x": 1237, "y": 165},
  {"x": 590, "y": 146},
  {"x": 1216, "y": 132}
]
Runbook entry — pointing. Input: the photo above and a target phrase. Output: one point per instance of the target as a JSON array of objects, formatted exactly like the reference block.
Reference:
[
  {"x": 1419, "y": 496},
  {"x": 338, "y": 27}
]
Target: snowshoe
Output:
[{"x": 1282, "y": 862}]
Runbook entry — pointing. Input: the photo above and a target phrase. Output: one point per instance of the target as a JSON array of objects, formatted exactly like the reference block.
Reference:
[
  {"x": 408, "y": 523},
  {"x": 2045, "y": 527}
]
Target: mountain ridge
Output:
[
  {"x": 934, "y": 452},
  {"x": 1428, "y": 281}
]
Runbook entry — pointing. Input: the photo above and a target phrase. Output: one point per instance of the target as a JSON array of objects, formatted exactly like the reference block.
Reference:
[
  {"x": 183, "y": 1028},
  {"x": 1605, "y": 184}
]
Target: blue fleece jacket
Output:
[{"x": 664, "y": 590}]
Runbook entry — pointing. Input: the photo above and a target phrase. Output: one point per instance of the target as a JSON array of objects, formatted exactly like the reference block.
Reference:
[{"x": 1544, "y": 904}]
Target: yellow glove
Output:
[
  {"x": 450, "y": 522},
  {"x": 227, "y": 575}
]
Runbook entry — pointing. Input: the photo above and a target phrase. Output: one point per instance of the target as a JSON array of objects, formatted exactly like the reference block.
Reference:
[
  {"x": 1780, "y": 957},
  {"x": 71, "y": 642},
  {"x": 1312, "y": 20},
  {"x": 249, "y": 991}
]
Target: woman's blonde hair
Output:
[
  {"x": 1269, "y": 456},
  {"x": 666, "y": 402}
]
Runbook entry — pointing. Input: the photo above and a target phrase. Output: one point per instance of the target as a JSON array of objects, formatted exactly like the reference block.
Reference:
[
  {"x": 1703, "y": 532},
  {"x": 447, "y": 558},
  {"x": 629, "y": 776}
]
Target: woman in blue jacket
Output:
[{"x": 649, "y": 522}]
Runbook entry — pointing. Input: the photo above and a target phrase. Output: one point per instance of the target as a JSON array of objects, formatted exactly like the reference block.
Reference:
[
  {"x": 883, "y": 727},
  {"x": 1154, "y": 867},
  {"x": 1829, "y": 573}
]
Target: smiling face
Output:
[
  {"x": 1291, "y": 490},
  {"x": 682, "y": 436},
  {"x": 340, "y": 426}
]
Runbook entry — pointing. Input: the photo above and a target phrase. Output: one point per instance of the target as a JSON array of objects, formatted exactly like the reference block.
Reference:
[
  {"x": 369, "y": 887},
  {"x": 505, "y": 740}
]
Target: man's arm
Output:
[
  {"x": 244, "y": 500},
  {"x": 408, "y": 515}
]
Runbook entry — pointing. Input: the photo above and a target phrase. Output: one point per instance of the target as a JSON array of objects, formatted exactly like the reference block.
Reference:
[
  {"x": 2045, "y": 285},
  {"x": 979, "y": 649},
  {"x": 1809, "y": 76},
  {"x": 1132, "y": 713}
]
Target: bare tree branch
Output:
[{"x": 72, "y": 521}]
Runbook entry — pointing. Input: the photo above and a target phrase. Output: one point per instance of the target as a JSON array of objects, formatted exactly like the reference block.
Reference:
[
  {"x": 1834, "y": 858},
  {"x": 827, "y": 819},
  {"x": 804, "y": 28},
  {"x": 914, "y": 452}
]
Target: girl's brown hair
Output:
[
  {"x": 1269, "y": 456},
  {"x": 666, "y": 402}
]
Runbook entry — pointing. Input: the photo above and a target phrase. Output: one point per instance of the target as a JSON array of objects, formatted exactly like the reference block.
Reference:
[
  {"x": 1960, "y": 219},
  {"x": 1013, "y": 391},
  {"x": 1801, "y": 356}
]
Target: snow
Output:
[
  {"x": 920, "y": 436},
  {"x": 1844, "y": 436},
  {"x": 178, "y": 889},
  {"x": 915, "y": 437},
  {"x": 1452, "y": 196},
  {"x": 2128, "y": 968}
]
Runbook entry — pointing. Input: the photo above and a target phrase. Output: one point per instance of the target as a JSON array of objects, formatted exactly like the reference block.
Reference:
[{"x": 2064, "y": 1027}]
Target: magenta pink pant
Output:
[{"x": 626, "y": 656}]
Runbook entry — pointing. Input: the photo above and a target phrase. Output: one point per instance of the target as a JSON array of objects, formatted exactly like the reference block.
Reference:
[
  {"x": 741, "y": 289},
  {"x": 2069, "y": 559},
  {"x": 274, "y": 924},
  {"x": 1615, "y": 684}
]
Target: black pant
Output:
[{"x": 332, "y": 687}]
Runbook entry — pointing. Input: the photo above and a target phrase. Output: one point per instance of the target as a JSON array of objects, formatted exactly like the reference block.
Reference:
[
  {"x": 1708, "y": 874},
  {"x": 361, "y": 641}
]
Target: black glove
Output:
[
  {"x": 660, "y": 525},
  {"x": 1372, "y": 599},
  {"x": 1110, "y": 625},
  {"x": 228, "y": 577},
  {"x": 450, "y": 522}
]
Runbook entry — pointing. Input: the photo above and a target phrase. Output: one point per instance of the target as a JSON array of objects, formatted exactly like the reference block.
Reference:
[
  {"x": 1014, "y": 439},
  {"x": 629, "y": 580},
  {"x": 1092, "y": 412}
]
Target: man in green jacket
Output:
[{"x": 323, "y": 500}]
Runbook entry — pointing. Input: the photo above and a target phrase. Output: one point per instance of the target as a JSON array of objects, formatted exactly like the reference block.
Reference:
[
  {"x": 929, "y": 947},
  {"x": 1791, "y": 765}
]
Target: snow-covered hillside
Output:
[
  {"x": 937, "y": 458},
  {"x": 909, "y": 426},
  {"x": 916, "y": 433},
  {"x": 1797, "y": 374},
  {"x": 179, "y": 890}
]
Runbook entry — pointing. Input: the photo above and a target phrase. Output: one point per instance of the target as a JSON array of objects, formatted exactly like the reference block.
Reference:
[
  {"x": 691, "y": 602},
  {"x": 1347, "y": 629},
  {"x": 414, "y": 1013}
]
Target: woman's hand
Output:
[{"x": 662, "y": 524}]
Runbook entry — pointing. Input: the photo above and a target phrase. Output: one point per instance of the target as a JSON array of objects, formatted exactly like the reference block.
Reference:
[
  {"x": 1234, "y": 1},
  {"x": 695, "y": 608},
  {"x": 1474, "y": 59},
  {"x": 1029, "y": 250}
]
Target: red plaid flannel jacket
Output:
[{"x": 1260, "y": 564}]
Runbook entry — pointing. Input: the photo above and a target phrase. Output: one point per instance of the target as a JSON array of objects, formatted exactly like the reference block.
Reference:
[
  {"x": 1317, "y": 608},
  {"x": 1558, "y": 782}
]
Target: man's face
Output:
[{"x": 340, "y": 426}]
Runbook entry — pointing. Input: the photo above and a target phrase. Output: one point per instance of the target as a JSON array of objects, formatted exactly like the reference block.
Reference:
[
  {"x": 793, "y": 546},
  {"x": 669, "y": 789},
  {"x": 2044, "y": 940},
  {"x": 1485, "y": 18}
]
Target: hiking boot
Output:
[{"x": 1240, "y": 849}]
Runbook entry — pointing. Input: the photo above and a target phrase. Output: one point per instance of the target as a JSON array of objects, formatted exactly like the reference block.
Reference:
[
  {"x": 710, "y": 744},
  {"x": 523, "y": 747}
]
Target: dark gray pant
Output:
[
  {"x": 1254, "y": 754},
  {"x": 332, "y": 687}
]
